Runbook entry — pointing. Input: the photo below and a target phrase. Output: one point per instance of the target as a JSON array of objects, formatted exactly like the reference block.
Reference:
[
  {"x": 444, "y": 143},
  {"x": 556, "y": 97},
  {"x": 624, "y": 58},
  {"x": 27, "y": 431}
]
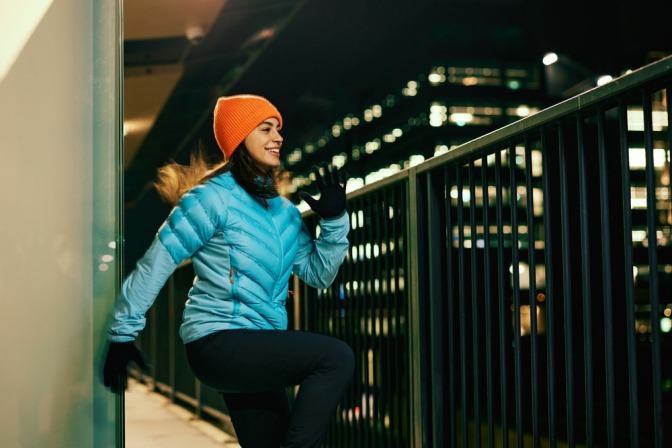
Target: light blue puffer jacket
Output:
[{"x": 243, "y": 251}]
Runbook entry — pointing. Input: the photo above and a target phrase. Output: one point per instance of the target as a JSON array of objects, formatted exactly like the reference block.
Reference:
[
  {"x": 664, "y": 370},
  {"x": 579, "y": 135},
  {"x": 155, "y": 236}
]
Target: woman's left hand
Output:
[{"x": 332, "y": 192}]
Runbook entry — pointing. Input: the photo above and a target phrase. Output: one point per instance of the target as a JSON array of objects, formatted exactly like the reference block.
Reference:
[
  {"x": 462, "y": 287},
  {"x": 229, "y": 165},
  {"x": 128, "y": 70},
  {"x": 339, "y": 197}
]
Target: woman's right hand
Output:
[{"x": 119, "y": 356}]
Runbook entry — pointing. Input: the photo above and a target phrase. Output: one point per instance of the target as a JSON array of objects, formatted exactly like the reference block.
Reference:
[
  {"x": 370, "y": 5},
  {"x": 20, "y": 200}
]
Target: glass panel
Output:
[{"x": 59, "y": 199}]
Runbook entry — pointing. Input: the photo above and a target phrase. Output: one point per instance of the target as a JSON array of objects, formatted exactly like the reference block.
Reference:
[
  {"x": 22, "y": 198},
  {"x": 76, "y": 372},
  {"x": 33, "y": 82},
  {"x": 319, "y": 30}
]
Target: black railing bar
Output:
[
  {"x": 435, "y": 232},
  {"x": 414, "y": 308},
  {"x": 347, "y": 328},
  {"x": 644, "y": 75},
  {"x": 606, "y": 282},
  {"x": 315, "y": 318},
  {"x": 487, "y": 300},
  {"x": 567, "y": 286},
  {"x": 401, "y": 338},
  {"x": 450, "y": 290},
  {"x": 462, "y": 317},
  {"x": 501, "y": 281},
  {"x": 394, "y": 343},
  {"x": 349, "y": 332},
  {"x": 375, "y": 311},
  {"x": 386, "y": 305},
  {"x": 198, "y": 395},
  {"x": 313, "y": 313},
  {"x": 353, "y": 329},
  {"x": 321, "y": 308},
  {"x": 407, "y": 298},
  {"x": 531, "y": 248},
  {"x": 302, "y": 289},
  {"x": 653, "y": 271},
  {"x": 372, "y": 317},
  {"x": 515, "y": 276},
  {"x": 550, "y": 295},
  {"x": 586, "y": 296},
  {"x": 367, "y": 319},
  {"x": 475, "y": 330},
  {"x": 382, "y": 215},
  {"x": 384, "y": 309}
]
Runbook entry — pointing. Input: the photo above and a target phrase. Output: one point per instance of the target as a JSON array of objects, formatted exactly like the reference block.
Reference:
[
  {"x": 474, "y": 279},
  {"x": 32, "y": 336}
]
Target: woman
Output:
[{"x": 244, "y": 241}]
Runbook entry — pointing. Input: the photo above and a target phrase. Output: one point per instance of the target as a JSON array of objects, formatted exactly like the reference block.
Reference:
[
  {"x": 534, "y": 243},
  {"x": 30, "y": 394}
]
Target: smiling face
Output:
[{"x": 264, "y": 143}]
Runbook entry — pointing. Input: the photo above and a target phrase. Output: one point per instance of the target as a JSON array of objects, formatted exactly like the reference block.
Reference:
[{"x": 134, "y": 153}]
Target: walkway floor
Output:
[{"x": 152, "y": 421}]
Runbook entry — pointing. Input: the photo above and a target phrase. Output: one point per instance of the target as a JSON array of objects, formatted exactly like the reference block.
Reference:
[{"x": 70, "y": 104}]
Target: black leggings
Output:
[{"x": 252, "y": 368}]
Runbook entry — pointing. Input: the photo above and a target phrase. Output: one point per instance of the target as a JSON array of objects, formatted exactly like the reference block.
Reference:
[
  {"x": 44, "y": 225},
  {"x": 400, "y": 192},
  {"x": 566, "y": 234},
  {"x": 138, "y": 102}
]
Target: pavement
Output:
[{"x": 152, "y": 421}]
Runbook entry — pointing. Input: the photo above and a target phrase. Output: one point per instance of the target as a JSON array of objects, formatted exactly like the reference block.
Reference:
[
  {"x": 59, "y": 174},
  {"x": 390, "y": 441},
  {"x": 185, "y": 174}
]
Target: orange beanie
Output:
[{"x": 236, "y": 116}]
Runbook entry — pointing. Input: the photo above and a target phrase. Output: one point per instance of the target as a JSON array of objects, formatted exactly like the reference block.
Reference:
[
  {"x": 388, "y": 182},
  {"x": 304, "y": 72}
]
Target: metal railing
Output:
[
  {"x": 455, "y": 349},
  {"x": 515, "y": 291}
]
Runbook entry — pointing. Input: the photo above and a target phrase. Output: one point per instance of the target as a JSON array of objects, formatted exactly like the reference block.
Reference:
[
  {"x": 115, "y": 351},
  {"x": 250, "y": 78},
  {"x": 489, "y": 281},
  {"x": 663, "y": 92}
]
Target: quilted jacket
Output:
[{"x": 243, "y": 250}]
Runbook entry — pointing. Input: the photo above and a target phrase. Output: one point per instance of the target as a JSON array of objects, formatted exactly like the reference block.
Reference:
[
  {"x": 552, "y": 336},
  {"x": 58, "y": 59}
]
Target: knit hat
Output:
[{"x": 236, "y": 116}]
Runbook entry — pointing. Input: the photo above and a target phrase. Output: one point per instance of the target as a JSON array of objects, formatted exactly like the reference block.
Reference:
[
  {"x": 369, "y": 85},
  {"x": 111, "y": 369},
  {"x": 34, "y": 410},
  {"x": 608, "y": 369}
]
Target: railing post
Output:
[{"x": 415, "y": 219}]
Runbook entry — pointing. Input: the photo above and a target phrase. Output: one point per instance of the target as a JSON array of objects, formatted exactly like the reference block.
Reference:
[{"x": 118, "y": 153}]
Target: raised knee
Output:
[{"x": 345, "y": 359}]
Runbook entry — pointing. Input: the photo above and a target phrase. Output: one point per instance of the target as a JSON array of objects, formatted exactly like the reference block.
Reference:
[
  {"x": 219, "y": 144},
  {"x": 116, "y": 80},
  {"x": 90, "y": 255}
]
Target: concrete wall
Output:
[{"x": 59, "y": 219}]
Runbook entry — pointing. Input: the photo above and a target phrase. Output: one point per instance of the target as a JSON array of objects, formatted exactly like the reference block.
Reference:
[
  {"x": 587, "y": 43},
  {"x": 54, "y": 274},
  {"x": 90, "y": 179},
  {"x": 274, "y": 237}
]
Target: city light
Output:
[
  {"x": 637, "y": 158},
  {"x": 604, "y": 79},
  {"x": 550, "y": 58},
  {"x": 523, "y": 111},
  {"x": 339, "y": 160},
  {"x": 665, "y": 324},
  {"x": 461, "y": 118}
]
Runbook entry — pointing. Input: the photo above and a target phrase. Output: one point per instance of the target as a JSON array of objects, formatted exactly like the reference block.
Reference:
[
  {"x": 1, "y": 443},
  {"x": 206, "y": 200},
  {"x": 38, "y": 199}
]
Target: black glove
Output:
[
  {"x": 332, "y": 193},
  {"x": 119, "y": 355}
]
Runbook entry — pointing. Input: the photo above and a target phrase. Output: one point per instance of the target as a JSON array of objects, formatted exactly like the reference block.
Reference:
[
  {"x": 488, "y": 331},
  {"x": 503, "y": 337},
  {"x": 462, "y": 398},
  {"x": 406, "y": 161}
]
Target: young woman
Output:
[{"x": 244, "y": 241}]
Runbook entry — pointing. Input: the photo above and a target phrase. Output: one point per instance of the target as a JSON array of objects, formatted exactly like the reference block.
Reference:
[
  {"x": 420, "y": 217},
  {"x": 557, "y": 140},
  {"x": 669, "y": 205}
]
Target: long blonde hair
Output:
[{"x": 174, "y": 180}]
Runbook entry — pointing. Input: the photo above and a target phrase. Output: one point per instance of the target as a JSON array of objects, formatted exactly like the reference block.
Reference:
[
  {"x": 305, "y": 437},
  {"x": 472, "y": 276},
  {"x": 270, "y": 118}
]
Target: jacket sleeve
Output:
[
  {"x": 317, "y": 261},
  {"x": 138, "y": 292},
  {"x": 191, "y": 223}
]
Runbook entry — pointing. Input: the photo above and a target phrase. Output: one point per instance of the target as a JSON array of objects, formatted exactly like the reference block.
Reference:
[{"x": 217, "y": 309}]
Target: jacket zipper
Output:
[
  {"x": 282, "y": 254},
  {"x": 234, "y": 292}
]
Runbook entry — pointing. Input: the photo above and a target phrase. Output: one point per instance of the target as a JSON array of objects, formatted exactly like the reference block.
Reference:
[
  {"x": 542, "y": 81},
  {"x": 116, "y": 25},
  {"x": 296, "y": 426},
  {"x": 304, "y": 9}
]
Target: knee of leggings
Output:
[{"x": 342, "y": 358}]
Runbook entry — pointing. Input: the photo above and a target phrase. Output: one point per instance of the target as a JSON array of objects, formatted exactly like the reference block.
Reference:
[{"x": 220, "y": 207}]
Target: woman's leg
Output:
[
  {"x": 260, "y": 418},
  {"x": 244, "y": 361}
]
